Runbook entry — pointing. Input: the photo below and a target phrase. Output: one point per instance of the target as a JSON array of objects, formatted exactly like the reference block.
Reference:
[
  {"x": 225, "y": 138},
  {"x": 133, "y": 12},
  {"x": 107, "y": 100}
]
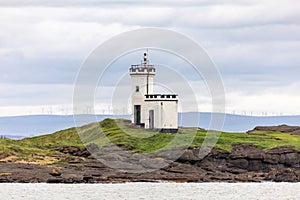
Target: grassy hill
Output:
[{"x": 41, "y": 149}]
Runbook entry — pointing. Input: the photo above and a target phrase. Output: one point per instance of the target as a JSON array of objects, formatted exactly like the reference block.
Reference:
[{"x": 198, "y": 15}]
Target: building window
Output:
[{"x": 137, "y": 88}]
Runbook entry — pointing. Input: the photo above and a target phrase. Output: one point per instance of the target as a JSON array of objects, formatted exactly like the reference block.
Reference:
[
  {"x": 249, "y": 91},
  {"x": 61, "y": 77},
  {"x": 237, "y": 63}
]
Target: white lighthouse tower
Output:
[{"x": 150, "y": 110}]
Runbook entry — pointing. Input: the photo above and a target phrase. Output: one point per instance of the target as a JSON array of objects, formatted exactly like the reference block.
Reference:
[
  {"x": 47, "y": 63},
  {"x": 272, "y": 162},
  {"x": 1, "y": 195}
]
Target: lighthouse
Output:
[{"x": 151, "y": 110}]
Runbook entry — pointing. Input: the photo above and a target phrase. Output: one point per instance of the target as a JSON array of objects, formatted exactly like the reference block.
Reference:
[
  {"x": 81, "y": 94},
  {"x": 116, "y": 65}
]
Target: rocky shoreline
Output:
[{"x": 245, "y": 163}]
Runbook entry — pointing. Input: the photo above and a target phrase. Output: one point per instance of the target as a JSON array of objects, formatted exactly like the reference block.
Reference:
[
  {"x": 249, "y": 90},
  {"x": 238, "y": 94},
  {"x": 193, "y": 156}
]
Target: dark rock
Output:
[
  {"x": 4, "y": 155},
  {"x": 153, "y": 163},
  {"x": 4, "y": 180},
  {"x": 92, "y": 148},
  {"x": 189, "y": 155},
  {"x": 295, "y": 130},
  {"x": 285, "y": 155},
  {"x": 236, "y": 171},
  {"x": 292, "y": 159},
  {"x": 194, "y": 155},
  {"x": 55, "y": 180},
  {"x": 73, "y": 150},
  {"x": 246, "y": 150},
  {"x": 256, "y": 165},
  {"x": 111, "y": 157},
  {"x": 183, "y": 168},
  {"x": 137, "y": 156},
  {"x": 245, "y": 163},
  {"x": 124, "y": 166},
  {"x": 239, "y": 163},
  {"x": 218, "y": 153},
  {"x": 271, "y": 158},
  {"x": 282, "y": 150},
  {"x": 170, "y": 155},
  {"x": 286, "y": 175},
  {"x": 88, "y": 179},
  {"x": 146, "y": 181}
]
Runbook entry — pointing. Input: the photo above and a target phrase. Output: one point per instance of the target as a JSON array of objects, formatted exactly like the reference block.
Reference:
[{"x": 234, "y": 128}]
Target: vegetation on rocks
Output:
[
  {"x": 263, "y": 154},
  {"x": 137, "y": 140}
]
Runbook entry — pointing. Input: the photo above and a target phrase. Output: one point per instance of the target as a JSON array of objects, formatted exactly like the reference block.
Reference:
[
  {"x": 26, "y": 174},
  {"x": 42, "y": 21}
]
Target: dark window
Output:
[
  {"x": 168, "y": 96},
  {"x": 137, "y": 88},
  {"x": 162, "y": 96},
  {"x": 173, "y": 96}
]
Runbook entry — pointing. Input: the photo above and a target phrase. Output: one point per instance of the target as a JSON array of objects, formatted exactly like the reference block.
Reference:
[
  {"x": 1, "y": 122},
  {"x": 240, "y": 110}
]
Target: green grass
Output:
[
  {"x": 119, "y": 132},
  {"x": 138, "y": 140},
  {"x": 32, "y": 148}
]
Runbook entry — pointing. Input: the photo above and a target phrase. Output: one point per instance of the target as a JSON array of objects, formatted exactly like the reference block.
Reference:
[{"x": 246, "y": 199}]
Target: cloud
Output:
[
  {"x": 272, "y": 101},
  {"x": 47, "y": 50},
  {"x": 92, "y": 3},
  {"x": 254, "y": 44},
  {"x": 232, "y": 16},
  {"x": 35, "y": 94}
]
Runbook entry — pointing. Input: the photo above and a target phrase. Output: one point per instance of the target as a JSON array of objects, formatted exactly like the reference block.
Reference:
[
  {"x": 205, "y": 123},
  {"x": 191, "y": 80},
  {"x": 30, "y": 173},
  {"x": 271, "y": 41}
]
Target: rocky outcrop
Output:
[
  {"x": 248, "y": 157},
  {"x": 294, "y": 130},
  {"x": 244, "y": 163},
  {"x": 285, "y": 175},
  {"x": 277, "y": 164},
  {"x": 73, "y": 150}
]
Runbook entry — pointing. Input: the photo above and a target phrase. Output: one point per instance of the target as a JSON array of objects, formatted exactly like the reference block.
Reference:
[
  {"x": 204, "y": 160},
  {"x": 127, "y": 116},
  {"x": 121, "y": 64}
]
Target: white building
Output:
[{"x": 150, "y": 110}]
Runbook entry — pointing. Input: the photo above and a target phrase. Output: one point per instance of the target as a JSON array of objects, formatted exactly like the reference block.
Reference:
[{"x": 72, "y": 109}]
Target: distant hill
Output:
[{"x": 33, "y": 125}]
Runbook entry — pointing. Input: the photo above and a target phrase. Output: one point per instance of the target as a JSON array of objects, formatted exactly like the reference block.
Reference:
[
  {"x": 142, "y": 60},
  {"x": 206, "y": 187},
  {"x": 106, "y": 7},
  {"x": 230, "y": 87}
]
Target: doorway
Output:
[
  {"x": 137, "y": 114},
  {"x": 151, "y": 119}
]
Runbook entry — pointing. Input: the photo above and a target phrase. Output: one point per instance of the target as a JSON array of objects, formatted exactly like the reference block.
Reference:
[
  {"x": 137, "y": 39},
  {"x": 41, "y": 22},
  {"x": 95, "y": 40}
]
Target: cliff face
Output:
[
  {"x": 247, "y": 156},
  {"x": 277, "y": 164}
]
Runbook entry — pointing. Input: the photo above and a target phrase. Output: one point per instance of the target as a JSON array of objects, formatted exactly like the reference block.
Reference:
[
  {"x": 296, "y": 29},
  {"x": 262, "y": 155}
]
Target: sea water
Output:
[{"x": 159, "y": 191}]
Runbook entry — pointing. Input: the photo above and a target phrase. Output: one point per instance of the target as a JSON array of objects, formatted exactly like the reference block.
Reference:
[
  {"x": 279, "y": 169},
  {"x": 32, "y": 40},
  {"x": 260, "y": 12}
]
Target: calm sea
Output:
[{"x": 155, "y": 191}]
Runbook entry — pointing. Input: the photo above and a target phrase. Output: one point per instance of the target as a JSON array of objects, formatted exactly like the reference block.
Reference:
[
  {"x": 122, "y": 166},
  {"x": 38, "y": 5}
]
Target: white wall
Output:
[
  {"x": 165, "y": 108},
  {"x": 140, "y": 80},
  {"x": 165, "y": 114}
]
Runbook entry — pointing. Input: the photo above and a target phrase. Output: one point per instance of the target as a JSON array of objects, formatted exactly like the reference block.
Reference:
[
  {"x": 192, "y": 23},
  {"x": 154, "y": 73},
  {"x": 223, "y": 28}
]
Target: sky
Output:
[{"x": 255, "y": 44}]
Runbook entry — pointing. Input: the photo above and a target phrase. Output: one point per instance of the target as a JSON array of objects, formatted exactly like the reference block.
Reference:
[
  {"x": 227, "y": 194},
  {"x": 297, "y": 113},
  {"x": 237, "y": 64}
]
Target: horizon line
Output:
[{"x": 111, "y": 114}]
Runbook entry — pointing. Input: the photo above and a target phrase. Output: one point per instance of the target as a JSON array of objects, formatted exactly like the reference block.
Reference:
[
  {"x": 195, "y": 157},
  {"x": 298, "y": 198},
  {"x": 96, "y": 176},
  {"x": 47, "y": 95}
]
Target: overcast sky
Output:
[{"x": 254, "y": 43}]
